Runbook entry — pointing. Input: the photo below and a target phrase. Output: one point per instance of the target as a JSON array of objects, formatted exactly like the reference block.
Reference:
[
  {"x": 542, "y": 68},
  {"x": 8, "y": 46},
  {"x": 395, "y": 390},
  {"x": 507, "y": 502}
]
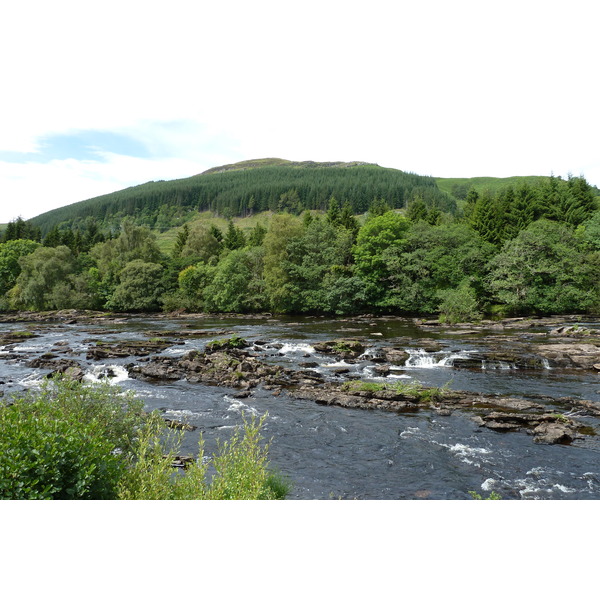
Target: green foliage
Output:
[
  {"x": 283, "y": 229},
  {"x": 491, "y": 496},
  {"x": 50, "y": 279},
  {"x": 76, "y": 441},
  {"x": 432, "y": 261},
  {"x": 501, "y": 215},
  {"x": 138, "y": 289},
  {"x": 411, "y": 389},
  {"x": 542, "y": 271},
  {"x": 234, "y": 238},
  {"x": 466, "y": 185},
  {"x": 315, "y": 262},
  {"x": 589, "y": 232},
  {"x": 333, "y": 215},
  {"x": 460, "y": 304},
  {"x": 202, "y": 242},
  {"x": 239, "y": 470},
  {"x": 377, "y": 236},
  {"x": 18, "y": 229},
  {"x": 241, "y": 465},
  {"x": 182, "y": 238},
  {"x": 237, "y": 284},
  {"x": 10, "y": 268},
  {"x": 66, "y": 442},
  {"x": 193, "y": 281},
  {"x": 424, "y": 261}
]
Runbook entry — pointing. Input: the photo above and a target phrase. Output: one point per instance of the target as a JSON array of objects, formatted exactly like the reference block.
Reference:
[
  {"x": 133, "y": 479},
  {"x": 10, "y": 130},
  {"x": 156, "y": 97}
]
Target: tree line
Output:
[{"x": 528, "y": 249}]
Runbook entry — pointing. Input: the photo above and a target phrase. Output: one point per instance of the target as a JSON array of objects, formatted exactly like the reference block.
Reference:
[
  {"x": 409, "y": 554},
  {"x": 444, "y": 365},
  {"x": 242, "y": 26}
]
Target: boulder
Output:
[
  {"x": 553, "y": 433},
  {"x": 344, "y": 348},
  {"x": 578, "y": 356},
  {"x": 396, "y": 356}
]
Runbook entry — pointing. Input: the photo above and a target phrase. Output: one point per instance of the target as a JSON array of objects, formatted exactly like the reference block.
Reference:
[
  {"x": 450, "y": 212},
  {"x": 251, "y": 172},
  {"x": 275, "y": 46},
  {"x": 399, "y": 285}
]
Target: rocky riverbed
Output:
[{"x": 236, "y": 363}]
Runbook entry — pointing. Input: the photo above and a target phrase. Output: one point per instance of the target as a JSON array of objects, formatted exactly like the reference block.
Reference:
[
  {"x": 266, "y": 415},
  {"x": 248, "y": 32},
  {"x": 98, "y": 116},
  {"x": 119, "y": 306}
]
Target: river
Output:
[{"x": 330, "y": 452}]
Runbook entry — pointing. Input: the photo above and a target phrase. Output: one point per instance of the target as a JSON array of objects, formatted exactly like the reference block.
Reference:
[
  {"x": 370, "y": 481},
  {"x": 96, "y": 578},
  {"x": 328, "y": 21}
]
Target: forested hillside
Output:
[
  {"x": 250, "y": 187},
  {"x": 338, "y": 239}
]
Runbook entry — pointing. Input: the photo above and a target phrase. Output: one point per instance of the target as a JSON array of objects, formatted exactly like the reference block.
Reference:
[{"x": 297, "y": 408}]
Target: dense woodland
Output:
[
  {"x": 361, "y": 239},
  {"x": 240, "y": 190}
]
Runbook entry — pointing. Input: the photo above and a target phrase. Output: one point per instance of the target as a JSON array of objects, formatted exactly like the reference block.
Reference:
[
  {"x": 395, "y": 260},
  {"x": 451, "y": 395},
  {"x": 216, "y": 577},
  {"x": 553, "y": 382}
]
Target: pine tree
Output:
[
  {"x": 348, "y": 220},
  {"x": 182, "y": 238},
  {"x": 486, "y": 220},
  {"x": 417, "y": 211},
  {"x": 234, "y": 238},
  {"x": 333, "y": 215}
]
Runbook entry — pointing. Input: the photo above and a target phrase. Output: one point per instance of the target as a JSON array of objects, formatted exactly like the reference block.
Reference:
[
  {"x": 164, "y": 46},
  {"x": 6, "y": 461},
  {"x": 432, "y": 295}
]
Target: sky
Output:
[{"x": 99, "y": 96}]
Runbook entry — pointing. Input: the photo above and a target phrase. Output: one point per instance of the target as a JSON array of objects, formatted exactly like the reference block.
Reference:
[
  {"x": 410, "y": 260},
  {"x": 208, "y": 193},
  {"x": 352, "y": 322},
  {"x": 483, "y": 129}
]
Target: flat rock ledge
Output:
[
  {"x": 577, "y": 355},
  {"x": 496, "y": 413}
]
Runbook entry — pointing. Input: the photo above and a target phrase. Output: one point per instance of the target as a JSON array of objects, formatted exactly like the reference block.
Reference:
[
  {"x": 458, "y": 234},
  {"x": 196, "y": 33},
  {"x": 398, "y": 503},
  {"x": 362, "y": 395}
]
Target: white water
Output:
[
  {"x": 237, "y": 406},
  {"x": 422, "y": 359},
  {"x": 114, "y": 374},
  {"x": 304, "y": 348}
]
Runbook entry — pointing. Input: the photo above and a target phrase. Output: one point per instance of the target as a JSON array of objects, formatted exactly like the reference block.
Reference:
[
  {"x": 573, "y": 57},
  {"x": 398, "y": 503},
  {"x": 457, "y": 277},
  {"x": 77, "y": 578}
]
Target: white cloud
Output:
[
  {"x": 31, "y": 189},
  {"x": 449, "y": 89}
]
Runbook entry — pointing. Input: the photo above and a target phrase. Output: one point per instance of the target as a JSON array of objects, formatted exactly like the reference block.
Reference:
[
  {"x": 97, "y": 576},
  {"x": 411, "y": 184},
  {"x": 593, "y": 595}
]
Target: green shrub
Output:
[
  {"x": 47, "y": 452},
  {"x": 459, "y": 304},
  {"x": 241, "y": 466}
]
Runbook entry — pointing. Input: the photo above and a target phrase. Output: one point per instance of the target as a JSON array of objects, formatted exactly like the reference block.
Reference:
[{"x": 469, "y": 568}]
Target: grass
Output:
[{"x": 410, "y": 388}]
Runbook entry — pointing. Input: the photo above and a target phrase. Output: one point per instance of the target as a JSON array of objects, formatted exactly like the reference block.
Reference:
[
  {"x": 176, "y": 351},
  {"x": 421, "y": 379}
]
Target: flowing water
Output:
[{"x": 333, "y": 452}]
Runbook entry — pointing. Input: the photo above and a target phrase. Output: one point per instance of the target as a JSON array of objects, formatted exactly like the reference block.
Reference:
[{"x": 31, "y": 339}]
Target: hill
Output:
[{"x": 249, "y": 187}]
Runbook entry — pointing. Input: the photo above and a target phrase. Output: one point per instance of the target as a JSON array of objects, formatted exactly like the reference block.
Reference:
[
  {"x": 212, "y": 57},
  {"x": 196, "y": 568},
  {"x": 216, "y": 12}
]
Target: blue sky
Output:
[
  {"x": 98, "y": 97},
  {"x": 80, "y": 145}
]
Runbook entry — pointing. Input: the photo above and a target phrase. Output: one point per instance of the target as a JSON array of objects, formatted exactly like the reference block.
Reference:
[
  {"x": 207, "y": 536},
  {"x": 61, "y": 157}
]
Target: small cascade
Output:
[{"x": 422, "y": 359}]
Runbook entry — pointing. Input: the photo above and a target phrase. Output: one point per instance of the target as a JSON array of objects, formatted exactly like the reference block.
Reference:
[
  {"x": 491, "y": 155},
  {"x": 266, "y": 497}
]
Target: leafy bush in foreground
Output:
[
  {"x": 61, "y": 444},
  {"x": 74, "y": 441}
]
